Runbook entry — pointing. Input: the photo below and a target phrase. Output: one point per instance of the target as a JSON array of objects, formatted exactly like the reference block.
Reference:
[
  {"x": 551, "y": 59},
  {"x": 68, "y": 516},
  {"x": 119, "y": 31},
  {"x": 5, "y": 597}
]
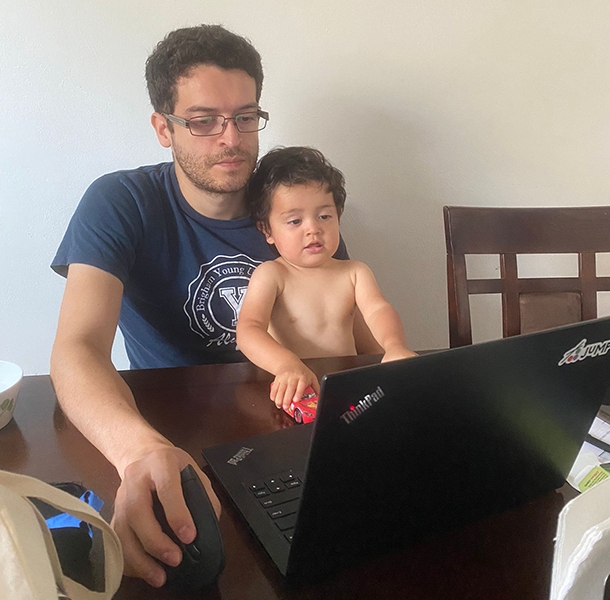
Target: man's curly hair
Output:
[{"x": 183, "y": 49}]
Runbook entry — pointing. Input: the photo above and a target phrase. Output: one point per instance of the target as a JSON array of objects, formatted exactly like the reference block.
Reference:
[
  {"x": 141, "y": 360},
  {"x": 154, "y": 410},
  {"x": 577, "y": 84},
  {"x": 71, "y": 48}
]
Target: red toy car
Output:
[{"x": 304, "y": 411}]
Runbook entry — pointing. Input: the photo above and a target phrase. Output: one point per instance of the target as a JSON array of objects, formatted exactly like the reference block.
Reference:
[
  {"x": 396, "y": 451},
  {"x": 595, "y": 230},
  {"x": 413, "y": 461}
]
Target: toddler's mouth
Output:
[{"x": 314, "y": 247}]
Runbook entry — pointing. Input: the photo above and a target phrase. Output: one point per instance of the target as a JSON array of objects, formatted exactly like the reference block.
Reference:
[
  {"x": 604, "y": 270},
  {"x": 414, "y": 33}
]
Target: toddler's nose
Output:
[{"x": 313, "y": 226}]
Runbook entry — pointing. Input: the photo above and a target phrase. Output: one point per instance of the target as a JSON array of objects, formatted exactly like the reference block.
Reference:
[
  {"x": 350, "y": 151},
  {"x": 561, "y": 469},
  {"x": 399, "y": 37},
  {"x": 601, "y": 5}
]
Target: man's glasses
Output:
[{"x": 248, "y": 122}]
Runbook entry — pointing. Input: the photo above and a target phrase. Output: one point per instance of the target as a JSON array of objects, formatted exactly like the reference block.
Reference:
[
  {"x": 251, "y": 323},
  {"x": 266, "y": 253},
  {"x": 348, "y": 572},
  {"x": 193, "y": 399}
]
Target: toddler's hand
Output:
[
  {"x": 290, "y": 383},
  {"x": 396, "y": 353}
]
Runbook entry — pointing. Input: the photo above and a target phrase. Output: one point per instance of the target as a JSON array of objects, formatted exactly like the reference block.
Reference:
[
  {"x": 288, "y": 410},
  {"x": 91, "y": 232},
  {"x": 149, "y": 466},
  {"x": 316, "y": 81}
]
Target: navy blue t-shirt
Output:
[{"x": 184, "y": 275}]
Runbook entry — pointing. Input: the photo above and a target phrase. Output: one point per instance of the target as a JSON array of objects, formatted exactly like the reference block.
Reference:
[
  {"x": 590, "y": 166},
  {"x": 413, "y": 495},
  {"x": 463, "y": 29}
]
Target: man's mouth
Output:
[{"x": 230, "y": 162}]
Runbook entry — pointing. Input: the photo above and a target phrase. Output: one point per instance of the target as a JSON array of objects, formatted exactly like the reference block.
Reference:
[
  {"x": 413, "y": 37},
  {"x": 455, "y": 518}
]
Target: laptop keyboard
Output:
[{"x": 279, "y": 497}]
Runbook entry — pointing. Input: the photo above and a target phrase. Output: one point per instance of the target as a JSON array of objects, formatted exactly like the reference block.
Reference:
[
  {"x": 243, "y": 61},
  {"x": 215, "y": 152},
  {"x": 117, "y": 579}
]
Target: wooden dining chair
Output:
[{"x": 528, "y": 304}]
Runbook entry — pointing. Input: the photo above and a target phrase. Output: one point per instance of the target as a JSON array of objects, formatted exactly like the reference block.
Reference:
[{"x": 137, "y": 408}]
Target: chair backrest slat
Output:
[
  {"x": 586, "y": 268},
  {"x": 535, "y": 284},
  {"x": 510, "y": 297},
  {"x": 477, "y": 230},
  {"x": 457, "y": 284}
]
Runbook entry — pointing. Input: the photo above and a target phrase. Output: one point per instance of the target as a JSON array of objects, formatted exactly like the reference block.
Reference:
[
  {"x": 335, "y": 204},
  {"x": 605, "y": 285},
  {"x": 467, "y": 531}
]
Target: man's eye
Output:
[
  {"x": 245, "y": 118},
  {"x": 204, "y": 125}
]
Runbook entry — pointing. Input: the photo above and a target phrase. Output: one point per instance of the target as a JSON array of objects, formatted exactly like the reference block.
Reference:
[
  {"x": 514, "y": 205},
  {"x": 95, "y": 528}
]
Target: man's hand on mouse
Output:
[{"x": 140, "y": 533}]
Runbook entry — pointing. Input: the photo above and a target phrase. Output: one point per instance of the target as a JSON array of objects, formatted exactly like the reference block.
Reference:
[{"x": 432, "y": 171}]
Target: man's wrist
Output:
[{"x": 138, "y": 451}]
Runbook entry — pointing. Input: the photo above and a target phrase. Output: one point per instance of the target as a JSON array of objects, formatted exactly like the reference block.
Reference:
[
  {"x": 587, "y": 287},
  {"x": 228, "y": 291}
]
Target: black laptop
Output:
[{"x": 403, "y": 450}]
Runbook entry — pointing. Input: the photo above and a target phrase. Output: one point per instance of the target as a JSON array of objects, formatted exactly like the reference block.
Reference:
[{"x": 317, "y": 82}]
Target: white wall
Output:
[{"x": 420, "y": 102}]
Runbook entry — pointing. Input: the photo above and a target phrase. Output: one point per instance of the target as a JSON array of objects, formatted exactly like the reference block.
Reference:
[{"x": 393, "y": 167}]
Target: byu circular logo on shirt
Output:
[{"x": 215, "y": 297}]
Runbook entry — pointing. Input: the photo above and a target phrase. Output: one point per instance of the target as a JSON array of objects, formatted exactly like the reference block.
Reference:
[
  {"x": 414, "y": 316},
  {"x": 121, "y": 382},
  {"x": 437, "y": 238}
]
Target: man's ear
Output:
[
  {"x": 159, "y": 124},
  {"x": 264, "y": 228}
]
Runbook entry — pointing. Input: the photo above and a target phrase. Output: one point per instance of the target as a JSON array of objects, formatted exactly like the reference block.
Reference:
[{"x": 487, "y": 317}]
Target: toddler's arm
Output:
[
  {"x": 383, "y": 321},
  {"x": 254, "y": 340}
]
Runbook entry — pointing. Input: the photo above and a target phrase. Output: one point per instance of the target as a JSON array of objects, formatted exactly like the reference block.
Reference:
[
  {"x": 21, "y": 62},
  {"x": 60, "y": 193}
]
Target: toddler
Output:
[{"x": 302, "y": 304}]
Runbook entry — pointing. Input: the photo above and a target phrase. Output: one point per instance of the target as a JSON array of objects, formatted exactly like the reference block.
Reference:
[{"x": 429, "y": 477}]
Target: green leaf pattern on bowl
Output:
[{"x": 7, "y": 404}]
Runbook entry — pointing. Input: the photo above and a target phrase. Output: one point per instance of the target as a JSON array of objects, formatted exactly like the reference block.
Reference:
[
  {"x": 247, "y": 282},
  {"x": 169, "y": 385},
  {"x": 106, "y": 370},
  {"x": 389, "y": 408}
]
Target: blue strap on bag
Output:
[
  {"x": 71, "y": 536},
  {"x": 65, "y": 520}
]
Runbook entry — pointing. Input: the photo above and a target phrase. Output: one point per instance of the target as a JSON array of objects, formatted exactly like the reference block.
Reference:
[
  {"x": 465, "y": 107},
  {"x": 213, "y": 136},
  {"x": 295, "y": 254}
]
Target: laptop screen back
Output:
[{"x": 403, "y": 450}]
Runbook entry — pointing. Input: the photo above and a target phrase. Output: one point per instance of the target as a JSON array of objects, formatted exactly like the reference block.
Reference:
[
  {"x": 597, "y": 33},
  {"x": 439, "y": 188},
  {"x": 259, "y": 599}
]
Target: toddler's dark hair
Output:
[{"x": 291, "y": 166}]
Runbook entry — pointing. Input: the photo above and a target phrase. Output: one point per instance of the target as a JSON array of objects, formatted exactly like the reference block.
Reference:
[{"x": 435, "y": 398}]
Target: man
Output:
[{"x": 166, "y": 252}]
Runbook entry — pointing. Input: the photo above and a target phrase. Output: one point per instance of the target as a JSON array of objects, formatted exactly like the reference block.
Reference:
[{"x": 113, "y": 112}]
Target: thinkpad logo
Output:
[
  {"x": 349, "y": 416},
  {"x": 215, "y": 297},
  {"x": 583, "y": 350},
  {"x": 240, "y": 456}
]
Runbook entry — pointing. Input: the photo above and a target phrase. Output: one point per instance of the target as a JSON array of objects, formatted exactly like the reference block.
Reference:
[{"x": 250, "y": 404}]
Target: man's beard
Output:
[{"x": 198, "y": 169}]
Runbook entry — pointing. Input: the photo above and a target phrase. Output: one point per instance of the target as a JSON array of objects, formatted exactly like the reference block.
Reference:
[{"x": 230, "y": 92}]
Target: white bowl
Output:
[{"x": 10, "y": 382}]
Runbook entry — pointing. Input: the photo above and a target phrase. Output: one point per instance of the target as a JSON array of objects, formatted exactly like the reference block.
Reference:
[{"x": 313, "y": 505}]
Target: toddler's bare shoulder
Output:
[
  {"x": 271, "y": 271},
  {"x": 350, "y": 269},
  {"x": 269, "y": 266},
  {"x": 355, "y": 267}
]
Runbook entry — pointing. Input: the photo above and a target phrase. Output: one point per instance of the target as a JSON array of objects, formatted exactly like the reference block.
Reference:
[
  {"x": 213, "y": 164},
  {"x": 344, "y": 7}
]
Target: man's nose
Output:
[{"x": 230, "y": 135}]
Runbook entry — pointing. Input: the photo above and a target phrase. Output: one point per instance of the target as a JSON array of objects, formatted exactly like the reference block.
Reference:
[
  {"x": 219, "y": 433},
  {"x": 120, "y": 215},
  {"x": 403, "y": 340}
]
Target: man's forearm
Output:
[{"x": 96, "y": 399}]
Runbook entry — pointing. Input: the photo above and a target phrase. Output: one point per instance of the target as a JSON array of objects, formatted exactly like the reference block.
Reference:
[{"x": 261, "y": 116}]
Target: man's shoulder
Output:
[
  {"x": 140, "y": 190},
  {"x": 149, "y": 176}
]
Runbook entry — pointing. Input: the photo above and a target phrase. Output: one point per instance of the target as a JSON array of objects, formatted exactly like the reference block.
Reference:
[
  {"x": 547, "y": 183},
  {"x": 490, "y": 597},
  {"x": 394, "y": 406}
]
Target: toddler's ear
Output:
[{"x": 264, "y": 228}]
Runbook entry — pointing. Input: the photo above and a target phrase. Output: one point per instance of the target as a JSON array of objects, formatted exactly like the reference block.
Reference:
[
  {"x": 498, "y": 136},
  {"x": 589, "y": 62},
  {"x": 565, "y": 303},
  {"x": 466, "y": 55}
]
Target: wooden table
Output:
[{"x": 508, "y": 556}]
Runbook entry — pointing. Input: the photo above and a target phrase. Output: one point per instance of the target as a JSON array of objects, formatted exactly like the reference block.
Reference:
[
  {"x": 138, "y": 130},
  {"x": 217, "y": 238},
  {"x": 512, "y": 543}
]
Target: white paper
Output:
[
  {"x": 581, "y": 562},
  {"x": 600, "y": 430}
]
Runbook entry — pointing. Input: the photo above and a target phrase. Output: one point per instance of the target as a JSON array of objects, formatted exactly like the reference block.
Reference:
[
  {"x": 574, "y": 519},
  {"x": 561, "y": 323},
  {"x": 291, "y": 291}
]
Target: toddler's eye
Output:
[
  {"x": 325, "y": 217},
  {"x": 294, "y": 222}
]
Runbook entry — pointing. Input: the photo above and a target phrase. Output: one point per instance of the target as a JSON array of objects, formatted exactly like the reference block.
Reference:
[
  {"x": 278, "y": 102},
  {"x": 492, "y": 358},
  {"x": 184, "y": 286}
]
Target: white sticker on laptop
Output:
[{"x": 583, "y": 350}]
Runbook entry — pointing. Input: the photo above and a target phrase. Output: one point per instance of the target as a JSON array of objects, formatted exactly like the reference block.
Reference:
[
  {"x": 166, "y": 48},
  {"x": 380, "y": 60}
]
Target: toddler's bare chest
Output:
[{"x": 317, "y": 301}]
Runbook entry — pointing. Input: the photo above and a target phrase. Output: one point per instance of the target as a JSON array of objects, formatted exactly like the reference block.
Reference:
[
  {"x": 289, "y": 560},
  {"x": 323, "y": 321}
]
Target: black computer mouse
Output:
[{"x": 203, "y": 560}]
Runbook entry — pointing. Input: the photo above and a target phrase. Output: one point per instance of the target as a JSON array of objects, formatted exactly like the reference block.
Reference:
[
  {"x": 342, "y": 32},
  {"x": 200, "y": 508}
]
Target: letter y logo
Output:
[{"x": 234, "y": 297}]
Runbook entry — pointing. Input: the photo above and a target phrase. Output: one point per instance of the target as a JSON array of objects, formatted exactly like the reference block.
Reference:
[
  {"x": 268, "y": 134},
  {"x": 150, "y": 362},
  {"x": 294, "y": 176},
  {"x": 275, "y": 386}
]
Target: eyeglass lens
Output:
[{"x": 213, "y": 124}]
